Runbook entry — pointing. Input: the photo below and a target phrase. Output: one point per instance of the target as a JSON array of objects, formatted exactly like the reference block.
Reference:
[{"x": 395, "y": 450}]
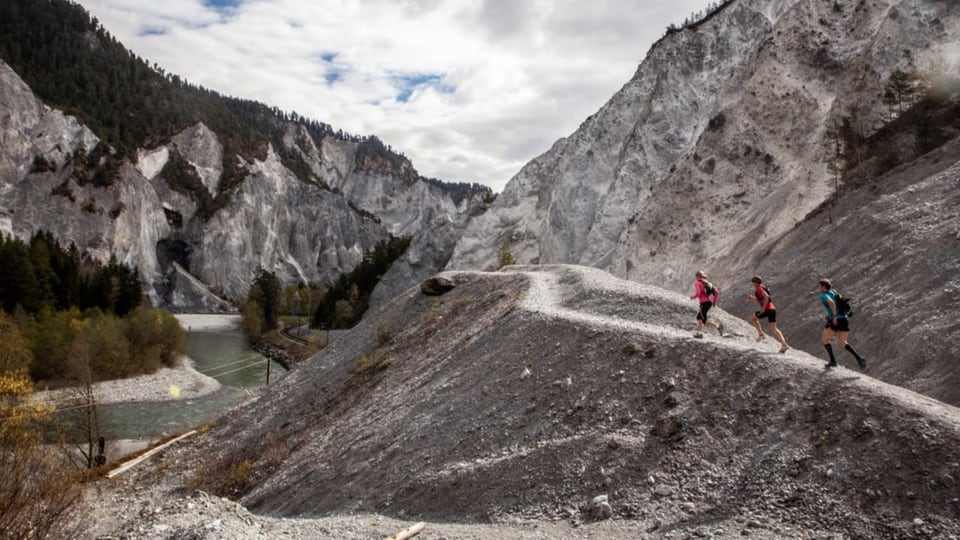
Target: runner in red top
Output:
[{"x": 767, "y": 311}]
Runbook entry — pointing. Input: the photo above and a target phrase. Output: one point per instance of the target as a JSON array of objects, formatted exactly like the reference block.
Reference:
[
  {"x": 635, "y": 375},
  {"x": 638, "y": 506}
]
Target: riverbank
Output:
[
  {"x": 166, "y": 384},
  {"x": 208, "y": 321}
]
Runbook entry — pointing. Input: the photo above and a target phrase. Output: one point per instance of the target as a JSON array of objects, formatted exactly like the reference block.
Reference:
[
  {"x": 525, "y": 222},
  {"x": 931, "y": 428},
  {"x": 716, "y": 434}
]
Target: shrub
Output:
[
  {"x": 38, "y": 487},
  {"x": 384, "y": 334},
  {"x": 505, "y": 257}
]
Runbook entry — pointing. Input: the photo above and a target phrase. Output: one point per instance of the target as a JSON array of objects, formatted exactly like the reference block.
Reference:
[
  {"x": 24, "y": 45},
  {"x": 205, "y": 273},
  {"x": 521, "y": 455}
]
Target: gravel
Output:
[{"x": 554, "y": 402}]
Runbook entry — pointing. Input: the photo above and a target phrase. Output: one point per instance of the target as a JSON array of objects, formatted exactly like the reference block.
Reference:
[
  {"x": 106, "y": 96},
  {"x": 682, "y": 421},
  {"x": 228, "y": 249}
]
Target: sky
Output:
[{"x": 468, "y": 90}]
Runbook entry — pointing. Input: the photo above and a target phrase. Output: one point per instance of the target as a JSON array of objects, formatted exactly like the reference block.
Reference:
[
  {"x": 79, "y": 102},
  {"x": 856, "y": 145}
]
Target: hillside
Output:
[
  {"x": 892, "y": 245},
  {"x": 733, "y": 145},
  {"x": 195, "y": 189},
  {"x": 510, "y": 403}
]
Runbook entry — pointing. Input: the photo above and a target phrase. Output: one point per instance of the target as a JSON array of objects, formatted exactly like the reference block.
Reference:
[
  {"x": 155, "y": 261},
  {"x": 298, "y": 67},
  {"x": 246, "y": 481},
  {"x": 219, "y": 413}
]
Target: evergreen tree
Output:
[
  {"x": 899, "y": 90},
  {"x": 269, "y": 288},
  {"x": 354, "y": 288}
]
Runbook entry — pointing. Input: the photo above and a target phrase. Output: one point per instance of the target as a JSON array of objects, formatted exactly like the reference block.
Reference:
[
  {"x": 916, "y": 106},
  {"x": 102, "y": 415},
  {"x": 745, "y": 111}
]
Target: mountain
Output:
[
  {"x": 560, "y": 401},
  {"x": 194, "y": 189},
  {"x": 539, "y": 402},
  {"x": 771, "y": 137}
]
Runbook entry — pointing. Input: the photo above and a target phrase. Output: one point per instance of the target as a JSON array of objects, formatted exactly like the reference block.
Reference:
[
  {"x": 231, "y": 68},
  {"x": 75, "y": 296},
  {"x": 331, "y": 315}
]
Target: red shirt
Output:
[{"x": 763, "y": 299}]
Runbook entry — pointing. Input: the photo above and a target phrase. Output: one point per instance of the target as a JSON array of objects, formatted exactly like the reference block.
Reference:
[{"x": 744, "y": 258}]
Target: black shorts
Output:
[
  {"x": 843, "y": 324},
  {"x": 770, "y": 315},
  {"x": 704, "y": 308}
]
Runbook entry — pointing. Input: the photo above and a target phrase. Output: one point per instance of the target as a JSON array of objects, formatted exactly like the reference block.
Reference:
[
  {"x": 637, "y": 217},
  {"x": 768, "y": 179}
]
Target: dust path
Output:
[
  {"x": 546, "y": 293},
  {"x": 546, "y": 296}
]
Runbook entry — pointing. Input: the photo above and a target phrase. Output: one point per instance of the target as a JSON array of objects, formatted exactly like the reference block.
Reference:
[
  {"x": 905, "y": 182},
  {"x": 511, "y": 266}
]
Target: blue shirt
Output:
[{"x": 832, "y": 295}]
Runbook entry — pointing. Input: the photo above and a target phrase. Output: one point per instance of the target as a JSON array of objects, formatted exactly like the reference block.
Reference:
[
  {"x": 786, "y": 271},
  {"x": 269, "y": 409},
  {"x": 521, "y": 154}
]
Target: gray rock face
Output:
[
  {"x": 302, "y": 232},
  {"x": 717, "y": 146},
  {"x": 715, "y": 156}
]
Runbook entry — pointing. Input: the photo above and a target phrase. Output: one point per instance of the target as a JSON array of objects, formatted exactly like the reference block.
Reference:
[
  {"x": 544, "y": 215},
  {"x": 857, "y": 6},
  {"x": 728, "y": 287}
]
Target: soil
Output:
[{"x": 553, "y": 402}]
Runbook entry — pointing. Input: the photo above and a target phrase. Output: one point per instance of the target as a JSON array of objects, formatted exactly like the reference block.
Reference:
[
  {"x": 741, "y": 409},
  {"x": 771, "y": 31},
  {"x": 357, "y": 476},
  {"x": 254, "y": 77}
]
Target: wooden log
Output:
[
  {"x": 409, "y": 532},
  {"x": 130, "y": 464}
]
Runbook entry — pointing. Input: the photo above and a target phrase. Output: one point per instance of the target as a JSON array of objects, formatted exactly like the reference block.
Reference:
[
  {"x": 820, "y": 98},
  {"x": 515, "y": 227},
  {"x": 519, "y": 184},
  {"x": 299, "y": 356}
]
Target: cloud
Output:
[{"x": 468, "y": 90}]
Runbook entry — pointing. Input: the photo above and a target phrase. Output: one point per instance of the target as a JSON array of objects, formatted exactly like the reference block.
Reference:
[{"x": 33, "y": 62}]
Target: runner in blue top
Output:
[{"x": 837, "y": 325}]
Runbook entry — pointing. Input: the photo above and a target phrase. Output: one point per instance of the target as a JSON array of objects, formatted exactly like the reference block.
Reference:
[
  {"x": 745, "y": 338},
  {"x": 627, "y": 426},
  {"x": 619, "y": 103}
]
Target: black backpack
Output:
[
  {"x": 843, "y": 304},
  {"x": 708, "y": 288},
  {"x": 767, "y": 291}
]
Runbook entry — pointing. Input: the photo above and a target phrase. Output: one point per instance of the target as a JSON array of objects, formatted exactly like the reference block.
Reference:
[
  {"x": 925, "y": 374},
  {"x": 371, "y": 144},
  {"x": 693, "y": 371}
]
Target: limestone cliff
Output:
[
  {"x": 202, "y": 257},
  {"x": 718, "y": 145}
]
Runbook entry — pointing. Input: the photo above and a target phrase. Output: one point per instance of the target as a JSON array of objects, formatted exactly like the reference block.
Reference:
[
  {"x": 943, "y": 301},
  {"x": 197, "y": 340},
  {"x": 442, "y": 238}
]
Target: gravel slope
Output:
[{"x": 556, "y": 402}]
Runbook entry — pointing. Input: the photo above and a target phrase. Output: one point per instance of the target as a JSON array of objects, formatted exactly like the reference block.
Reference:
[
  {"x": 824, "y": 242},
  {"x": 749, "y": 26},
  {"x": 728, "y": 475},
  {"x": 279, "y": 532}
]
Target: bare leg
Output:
[
  {"x": 756, "y": 324},
  {"x": 779, "y": 335},
  {"x": 827, "y": 335}
]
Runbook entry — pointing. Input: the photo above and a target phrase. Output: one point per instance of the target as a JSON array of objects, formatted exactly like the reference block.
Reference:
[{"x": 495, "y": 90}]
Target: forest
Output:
[
  {"x": 68, "y": 319},
  {"x": 348, "y": 299}
]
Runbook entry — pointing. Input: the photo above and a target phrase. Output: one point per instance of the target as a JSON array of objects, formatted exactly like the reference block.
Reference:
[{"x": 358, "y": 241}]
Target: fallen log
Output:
[{"x": 409, "y": 532}]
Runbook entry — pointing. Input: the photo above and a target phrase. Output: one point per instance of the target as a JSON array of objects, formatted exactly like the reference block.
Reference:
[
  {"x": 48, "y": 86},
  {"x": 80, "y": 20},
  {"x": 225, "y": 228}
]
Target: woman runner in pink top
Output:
[{"x": 707, "y": 300}]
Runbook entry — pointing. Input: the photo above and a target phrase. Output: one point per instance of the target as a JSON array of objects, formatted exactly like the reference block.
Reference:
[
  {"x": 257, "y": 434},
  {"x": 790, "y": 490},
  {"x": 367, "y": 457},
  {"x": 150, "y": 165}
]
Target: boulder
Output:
[{"x": 436, "y": 286}]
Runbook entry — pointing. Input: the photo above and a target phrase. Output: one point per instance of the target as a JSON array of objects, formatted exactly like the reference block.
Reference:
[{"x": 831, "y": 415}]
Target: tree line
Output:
[
  {"x": 348, "y": 299},
  {"x": 340, "y": 306},
  {"x": 74, "y": 313},
  {"x": 40, "y": 275},
  {"x": 922, "y": 114}
]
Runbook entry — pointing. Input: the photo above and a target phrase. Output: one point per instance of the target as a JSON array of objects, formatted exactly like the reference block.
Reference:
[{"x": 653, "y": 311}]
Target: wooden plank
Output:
[
  {"x": 146, "y": 455},
  {"x": 409, "y": 532}
]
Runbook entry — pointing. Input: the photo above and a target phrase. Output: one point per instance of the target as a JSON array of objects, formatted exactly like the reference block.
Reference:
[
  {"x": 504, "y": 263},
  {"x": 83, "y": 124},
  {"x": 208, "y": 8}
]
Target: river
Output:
[{"x": 221, "y": 353}]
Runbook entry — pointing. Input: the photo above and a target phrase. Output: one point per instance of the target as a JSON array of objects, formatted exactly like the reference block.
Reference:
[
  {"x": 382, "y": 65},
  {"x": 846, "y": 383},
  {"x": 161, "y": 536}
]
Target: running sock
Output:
[
  {"x": 853, "y": 352},
  {"x": 829, "y": 349}
]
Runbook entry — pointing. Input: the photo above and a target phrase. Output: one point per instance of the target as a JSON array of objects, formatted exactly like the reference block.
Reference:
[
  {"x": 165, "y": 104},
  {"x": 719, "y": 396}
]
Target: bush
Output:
[
  {"x": 38, "y": 487},
  {"x": 505, "y": 257},
  {"x": 252, "y": 323}
]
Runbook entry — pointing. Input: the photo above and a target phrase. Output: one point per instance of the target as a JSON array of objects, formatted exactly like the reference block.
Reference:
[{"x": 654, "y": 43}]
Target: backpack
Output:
[
  {"x": 843, "y": 304},
  {"x": 767, "y": 292},
  {"x": 708, "y": 288}
]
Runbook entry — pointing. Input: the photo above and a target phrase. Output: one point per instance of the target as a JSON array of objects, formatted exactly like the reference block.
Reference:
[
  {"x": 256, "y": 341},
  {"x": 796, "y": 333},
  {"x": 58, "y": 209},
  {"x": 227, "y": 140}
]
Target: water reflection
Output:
[{"x": 225, "y": 356}]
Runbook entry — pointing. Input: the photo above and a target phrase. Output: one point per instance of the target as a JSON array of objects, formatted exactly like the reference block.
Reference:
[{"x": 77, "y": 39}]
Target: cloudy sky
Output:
[{"x": 469, "y": 90}]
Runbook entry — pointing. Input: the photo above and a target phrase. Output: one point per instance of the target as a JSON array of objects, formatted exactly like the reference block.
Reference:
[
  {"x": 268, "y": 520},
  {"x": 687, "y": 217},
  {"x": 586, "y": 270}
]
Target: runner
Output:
[
  {"x": 707, "y": 295},
  {"x": 837, "y": 325},
  {"x": 767, "y": 311}
]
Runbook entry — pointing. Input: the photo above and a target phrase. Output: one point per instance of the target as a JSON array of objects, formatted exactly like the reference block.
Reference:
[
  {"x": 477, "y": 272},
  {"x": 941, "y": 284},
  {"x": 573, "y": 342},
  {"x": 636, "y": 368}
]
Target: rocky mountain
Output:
[
  {"x": 204, "y": 197},
  {"x": 739, "y": 147},
  {"x": 554, "y": 402}
]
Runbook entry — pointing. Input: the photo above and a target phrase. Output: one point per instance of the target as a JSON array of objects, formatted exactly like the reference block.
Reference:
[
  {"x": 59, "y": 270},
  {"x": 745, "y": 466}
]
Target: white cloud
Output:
[{"x": 501, "y": 80}]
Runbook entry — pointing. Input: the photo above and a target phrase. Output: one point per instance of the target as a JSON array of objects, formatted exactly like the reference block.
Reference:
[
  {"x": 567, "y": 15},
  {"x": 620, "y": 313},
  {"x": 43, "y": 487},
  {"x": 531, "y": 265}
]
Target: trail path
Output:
[{"x": 549, "y": 296}]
